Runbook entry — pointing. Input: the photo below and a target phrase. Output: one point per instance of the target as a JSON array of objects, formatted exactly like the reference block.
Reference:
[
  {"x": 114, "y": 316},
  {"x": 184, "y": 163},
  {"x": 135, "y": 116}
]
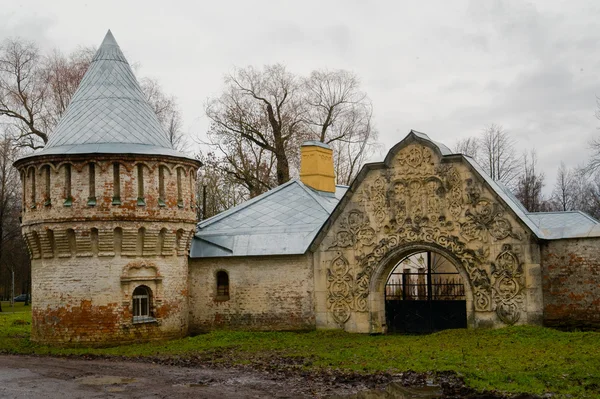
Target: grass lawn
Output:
[{"x": 516, "y": 359}]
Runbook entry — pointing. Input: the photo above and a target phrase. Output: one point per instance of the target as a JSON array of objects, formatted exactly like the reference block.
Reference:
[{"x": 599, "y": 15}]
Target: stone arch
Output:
[{"x": 376, "y": 298}]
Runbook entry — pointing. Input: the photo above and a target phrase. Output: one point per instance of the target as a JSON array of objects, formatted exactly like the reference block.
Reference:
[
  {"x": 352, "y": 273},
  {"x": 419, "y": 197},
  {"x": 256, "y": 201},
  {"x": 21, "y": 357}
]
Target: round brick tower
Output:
[{"x": 108, "y": 214}]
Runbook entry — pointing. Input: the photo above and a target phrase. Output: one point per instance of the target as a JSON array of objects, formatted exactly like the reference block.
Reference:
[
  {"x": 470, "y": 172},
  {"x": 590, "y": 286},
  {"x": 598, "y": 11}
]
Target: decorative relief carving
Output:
[
  {"x": 485, "y": 218},
  {"x": 508, "y": 285},
  {"x": 414, "y": 160},
  {"x": 339, "y": 289},
  {"x": 423, "y": 201},
  {"x": 354, "y": 231}
]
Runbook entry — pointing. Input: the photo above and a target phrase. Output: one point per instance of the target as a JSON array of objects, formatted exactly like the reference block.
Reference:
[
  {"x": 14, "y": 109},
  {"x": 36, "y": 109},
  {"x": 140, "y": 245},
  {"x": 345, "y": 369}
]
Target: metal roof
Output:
[
  {"x": 287, "y": 219},
  {"x": 109, "y": 112},
  {"x": 571, "y": 224},
  {"x": 282, "y": 221}
]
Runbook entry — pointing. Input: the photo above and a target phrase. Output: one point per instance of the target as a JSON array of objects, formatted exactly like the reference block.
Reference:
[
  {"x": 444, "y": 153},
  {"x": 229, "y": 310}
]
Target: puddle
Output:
[
  {"x": 395, "y": 391},
  {"x": 105, "y": 380}
]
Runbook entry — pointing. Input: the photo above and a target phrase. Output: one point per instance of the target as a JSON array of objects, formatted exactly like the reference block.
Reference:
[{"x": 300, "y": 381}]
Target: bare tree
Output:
[
  {"x": 468, "y": 146},
  {"x": 498, "y": 156},
  {"x": 565, "y": 189},
  {"x": 221, "y": 190},
  {"x": 264, "y": 108},
  {"x": 275, "y": 111},
  {"x": 246, "y": 164},
  {"x": 167, "y": 111},
  {"x": 338, "y": 113},
  {"x": 530, "y": 183},
  {"x": 23, "y": 91},
  {"x": 13, "y": 257}
]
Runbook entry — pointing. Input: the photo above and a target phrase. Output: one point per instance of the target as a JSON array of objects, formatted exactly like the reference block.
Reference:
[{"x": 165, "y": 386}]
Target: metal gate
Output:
[{"x": 424, "y": 302}]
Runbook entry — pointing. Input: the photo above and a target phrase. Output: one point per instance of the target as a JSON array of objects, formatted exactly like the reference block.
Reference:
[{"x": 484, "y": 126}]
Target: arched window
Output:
[
  {"x": 92, "y": 185},
  {"x": 47, "y": 200},
  {"x": 161, "y": 186},
  {"x": 179, "y": 193},
  {"x": 141, "y": 304},
  {"x": 140, "y": 183},
  {"x": 222, "y": 286},
  {"x": 116, "y": 200},
  {"x": 33, "y": 199},
  {"x": 68, "y": 197}
]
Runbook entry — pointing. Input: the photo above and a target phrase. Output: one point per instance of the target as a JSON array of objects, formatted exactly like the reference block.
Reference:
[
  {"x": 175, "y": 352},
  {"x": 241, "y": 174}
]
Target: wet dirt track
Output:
[{"x": 47, "y": 377}]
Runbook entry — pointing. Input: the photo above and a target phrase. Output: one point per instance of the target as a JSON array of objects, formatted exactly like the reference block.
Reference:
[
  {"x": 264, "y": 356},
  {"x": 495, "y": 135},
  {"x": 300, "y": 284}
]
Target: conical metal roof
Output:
[{"x": 109, "y": 112}]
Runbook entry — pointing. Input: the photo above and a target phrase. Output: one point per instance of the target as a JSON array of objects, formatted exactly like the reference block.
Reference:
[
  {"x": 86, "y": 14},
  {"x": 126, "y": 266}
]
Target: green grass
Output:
[
  {"x": 517, "y": 359},
  {"x": 19, "y": 307}
]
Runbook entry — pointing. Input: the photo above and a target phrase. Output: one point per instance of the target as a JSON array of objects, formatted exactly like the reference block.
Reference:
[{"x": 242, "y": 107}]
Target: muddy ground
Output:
[{"x": 50, "y": 377}]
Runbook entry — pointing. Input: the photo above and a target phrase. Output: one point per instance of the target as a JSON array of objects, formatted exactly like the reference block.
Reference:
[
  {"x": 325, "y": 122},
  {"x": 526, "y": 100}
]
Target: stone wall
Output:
[
  {"x": 571, "y": 282},
  {"x": 419, "y": 200},
  {"x": 265, "y": 293}
]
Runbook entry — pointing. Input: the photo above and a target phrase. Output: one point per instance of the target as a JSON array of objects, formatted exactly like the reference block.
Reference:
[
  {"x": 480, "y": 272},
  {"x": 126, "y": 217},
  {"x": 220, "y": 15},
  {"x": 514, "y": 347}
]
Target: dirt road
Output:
[{"x": 49, "y": 378}]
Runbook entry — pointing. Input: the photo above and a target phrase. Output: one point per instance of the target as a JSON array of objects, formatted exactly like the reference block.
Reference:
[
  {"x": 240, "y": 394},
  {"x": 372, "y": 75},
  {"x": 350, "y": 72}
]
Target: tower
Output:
[{"x": 108, "y": 214}]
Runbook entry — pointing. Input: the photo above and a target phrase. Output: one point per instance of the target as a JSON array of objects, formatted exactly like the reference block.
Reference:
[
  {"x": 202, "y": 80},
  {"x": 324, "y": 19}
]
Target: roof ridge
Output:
[{"x": 314, "y": 195}]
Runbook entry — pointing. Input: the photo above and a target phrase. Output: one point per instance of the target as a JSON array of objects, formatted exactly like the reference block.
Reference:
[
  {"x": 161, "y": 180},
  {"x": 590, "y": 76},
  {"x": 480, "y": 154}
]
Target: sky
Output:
[{"x": 446, "y": 68}]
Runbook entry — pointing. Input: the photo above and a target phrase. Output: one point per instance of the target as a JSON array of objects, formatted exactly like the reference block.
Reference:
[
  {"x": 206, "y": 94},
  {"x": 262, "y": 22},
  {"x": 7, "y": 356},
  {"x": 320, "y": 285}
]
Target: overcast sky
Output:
[{"x": 446, "y": 68}]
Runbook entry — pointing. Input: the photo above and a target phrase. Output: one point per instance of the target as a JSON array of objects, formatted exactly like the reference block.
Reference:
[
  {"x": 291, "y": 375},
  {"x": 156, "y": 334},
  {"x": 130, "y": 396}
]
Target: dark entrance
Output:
[{"x": 424, "y": 293}]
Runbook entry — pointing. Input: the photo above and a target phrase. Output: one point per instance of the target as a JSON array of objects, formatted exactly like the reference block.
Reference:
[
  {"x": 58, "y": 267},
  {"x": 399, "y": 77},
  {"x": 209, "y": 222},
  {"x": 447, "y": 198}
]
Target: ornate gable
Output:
[{"x": 420, "y": 197}]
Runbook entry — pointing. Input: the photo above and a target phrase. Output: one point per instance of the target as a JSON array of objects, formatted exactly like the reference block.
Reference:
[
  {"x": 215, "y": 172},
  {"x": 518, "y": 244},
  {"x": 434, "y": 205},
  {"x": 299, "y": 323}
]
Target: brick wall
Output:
[
  {"x": 104, "y": 189},
  {"x": 265, "y": 293},
  {"x": 87, "y": 259},
  {"x": 85, "y": 297},
  {"x": 571, "y": 283}
]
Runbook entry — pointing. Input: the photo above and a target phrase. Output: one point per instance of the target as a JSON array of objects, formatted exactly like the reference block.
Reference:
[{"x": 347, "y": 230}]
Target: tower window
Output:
[
  {"x": 33, "y": 199},
  {"x": 222, "y": 286},
  {"x": 47, "y": 200},
  {"x": 140, "y": 174},
  {"x": 141, "y": 305},
  {"x": 92, "y": 185},
  {"x": 179, "y": 193},
  {"x": 116, "y": 200},
  {"x": 161, "y": 186},
  {"x": 68, "y": 198},
  {"x": 192, "y": 199},
  {"x": 24, "y": 188}
]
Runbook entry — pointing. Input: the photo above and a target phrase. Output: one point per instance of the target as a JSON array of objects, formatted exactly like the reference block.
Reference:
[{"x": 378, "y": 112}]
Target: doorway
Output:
[{"x": 425, "y": 293}]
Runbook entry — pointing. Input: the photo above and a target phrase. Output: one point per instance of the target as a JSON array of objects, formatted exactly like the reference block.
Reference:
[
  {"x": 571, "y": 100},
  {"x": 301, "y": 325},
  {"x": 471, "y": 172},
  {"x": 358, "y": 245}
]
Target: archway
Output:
[{"x": 420, "y": 288}]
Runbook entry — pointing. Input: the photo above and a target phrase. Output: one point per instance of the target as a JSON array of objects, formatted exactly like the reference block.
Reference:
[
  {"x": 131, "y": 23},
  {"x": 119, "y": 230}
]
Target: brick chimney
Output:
[{"x": 316, "y": 166}]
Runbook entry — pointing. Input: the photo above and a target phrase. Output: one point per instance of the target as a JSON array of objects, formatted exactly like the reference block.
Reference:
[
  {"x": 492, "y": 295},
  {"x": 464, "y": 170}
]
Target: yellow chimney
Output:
[{"x": 316, "y": 166}]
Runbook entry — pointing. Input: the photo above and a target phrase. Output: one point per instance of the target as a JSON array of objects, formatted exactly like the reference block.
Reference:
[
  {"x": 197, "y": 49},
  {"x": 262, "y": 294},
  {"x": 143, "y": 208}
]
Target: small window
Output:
[
  {"x": 92, "y": 185},
  {"x": 33, "y": 199},
  {"x": 222, "y": 286},
  {"x": 47, "y": 200},
  {"x": 24, "y": 189},
  {"x": 140, "y": 183},
  {"x": 179, "y": 193},
  {"x": 68, "y": 197},
  {"x": 161, "y": 186},
  {"x": 141, "y": 305},
  {"x": 116, "y": 200}
]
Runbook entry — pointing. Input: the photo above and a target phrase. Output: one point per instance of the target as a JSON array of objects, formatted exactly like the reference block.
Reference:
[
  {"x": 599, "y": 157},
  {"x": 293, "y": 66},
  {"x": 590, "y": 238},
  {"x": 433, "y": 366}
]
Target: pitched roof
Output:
[
  {"x": 109, "y": 112},
  {"x": 282, "y": 221},
  {"x": 570, "y": 224}
]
